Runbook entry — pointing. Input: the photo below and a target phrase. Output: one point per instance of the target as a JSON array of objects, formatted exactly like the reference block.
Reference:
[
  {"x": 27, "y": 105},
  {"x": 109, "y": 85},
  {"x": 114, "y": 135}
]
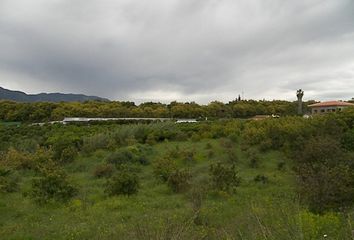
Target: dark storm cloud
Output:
[{"x": 166, "y": 50}]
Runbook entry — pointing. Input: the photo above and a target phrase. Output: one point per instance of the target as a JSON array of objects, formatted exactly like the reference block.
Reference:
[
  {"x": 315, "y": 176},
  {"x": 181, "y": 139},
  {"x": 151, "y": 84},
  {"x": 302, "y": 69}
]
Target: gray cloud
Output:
[{"x": 196, "y": 50}]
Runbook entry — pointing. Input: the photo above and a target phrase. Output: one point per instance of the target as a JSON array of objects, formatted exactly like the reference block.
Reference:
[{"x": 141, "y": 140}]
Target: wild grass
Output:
[{"x": 255, "y": 210}]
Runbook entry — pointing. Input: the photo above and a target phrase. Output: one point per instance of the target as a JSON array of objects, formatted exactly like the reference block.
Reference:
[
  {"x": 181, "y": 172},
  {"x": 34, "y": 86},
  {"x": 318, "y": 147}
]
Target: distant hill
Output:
[{"x": 18, "y": 96}]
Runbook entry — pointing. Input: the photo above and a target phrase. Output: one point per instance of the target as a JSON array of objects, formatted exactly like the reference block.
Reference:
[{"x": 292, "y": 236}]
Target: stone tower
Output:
[{"x": 299, "y": 94}]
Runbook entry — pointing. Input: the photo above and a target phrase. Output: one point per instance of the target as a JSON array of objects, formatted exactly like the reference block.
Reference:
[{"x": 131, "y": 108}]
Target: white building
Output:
[{"x": 331, "y": 106}]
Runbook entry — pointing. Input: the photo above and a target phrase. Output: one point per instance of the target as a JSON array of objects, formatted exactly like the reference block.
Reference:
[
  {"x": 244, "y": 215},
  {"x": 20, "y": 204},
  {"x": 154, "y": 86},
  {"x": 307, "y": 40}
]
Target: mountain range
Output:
[{"x": 19, "y": 96}]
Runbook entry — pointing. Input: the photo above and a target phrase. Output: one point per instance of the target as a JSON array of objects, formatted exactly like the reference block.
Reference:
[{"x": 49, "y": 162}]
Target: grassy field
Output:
[
  {"x": 264, "y": 206},
  {"x": 256, "y": 209}
]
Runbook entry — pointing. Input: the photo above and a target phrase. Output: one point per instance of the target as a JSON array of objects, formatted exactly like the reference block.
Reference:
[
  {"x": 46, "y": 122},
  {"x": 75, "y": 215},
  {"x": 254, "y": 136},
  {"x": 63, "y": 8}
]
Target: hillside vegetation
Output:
[{"x": 286, "y": 178}]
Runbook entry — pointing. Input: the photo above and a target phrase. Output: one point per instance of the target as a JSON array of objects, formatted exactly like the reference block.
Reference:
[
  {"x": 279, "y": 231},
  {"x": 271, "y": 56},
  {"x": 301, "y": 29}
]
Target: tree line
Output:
[{"x": 45, "y": 111}]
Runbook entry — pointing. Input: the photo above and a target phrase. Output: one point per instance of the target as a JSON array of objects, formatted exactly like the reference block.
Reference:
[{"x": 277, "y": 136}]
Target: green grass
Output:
[{"x": 254, "y": 211}]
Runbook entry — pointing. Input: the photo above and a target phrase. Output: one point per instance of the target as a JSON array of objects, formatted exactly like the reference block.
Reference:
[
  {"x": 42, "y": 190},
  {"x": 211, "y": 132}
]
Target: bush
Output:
[
  {"x": 42, "y": 158},
  {"x": 281, "y": 165},
  {"x": 195, "y": 137},
  {"x": 232, "y": 156},
  {"x": 104, "y": 170},
  {"x": 174, "y": 152},
  {"x": 68, "y": 155},
  {"x": 124, "y": 182},
  {"x": 224, "y": 178},
  {"x": 348, "y": 140},
  {"x": 96, "y": 142},
  {"x": 208, "y": 146},
  {"x": 188, "y": 156},
  {"x": 196, "y": 197},
  {"x": 163, "y": 167},
  {"x": 261, "y": 179},
  {"x": 67, "y": 143},
  {"x": 179, "y": 180},
  {"x": 210, "y": 153},
  {"x": 151, "y": 139},
  {"x": 325, "y": 175},
  {"x": 8, "y": 181},
  {"x": 18, "y": 160},
  {"x": 234, "y": 137},
  {"x": 121, "y": 156},
  {"x": 129, "y": 155},
  {"x": 226, "y": 143},
  {"x": 52, "y": 185},
  {"x": 253, "y": 157}
]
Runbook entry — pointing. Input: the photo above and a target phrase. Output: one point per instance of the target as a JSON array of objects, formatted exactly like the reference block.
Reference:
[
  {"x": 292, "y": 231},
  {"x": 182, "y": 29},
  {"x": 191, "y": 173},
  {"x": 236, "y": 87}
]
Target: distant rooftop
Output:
[{"x": 332, "y": 104}]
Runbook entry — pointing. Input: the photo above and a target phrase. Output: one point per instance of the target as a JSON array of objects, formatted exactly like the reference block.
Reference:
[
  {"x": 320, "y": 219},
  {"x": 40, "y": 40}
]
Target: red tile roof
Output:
[{"x": 332, "y": 104}]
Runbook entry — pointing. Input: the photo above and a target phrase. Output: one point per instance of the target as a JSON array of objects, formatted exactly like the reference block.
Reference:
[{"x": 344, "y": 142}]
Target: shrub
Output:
[
  {"x": 226, "y": 143},
  {"x": 265, "y": 145},
  {"x": 59, "y": 144},
  {"x": 253, "y": 158},
  {"x": 42, "y": 158},
  {"x": 124, "y": 182},
  {"x": 179, "y": 180},
  {"x": 211, "y": 153},
  {"x": 188, "y": 156},
  {"x": 96, "y": 142},
  {"x": 121, "y": 156},
  {"x": 281, "y": 165},
  {"x": 129, "y": 155},
  {"x": 131, "y": 141},
  {"x": 234, "y": 137},
  {"x": 232, "y": 156},
  {"x": 104, "y": 170},
  {"x": 196, "y": 197},
  {"x": 174, "y": 152},
  {"x": 261, "y": 179},
  {"x": 348, "y": 140},
  {"x": 208, "y": 146},
  {"x": 68, "y": 155},
  {"x": 8, "y": 181},
  {"x": 325, "y": 175},
  {"x": 254, "y": 161},
  {"x": 163, "y": 167},
  {"x": 18, "y": 160},
  {"x": 52, "y": 185},
  {"x": 151, "y": 139},
  {"x": 143, "y": 160},
  {"x": 223, "y": 178},
  {"x": 196, "y": 137}
]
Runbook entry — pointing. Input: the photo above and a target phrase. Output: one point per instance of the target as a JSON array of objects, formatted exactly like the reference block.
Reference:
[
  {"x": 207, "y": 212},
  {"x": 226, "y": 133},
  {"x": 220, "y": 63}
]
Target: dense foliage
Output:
[{"x": 39, "y": 112}]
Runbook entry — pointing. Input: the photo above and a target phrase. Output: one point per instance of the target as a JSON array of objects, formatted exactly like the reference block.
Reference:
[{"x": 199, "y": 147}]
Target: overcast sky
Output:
[{"x": 185, "y": 50}]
